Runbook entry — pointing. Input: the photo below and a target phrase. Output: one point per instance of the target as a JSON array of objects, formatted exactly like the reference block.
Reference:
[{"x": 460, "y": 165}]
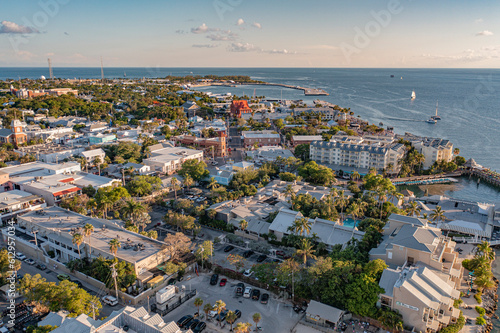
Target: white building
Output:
[
  {"x": 434, "y": 150},
  {"x": 17, "y": 202},
  {"x": 90, "y": 155},
  {"x": 358, "y": 156},
  {"x": 269, "y": 154},
  {"x": 50, "y": 153},
  {"x": 169, "y": 160},
  {"x": 325, "y": 112}
]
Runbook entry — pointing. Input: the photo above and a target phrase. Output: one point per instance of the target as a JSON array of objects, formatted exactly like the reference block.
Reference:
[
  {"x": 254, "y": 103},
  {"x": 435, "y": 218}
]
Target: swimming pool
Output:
[{"x": 350, "y": 222}]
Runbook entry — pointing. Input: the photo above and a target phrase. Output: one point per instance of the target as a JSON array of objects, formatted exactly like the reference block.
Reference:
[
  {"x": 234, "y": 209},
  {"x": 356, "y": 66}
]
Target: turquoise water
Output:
[{"x": 350, "y": 223}]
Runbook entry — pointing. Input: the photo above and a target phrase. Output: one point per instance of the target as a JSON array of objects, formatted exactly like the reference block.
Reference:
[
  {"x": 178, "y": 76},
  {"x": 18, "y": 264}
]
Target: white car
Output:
[
  {"x": 248, "y": 291},
  {"x": 20, "y": 256},
  {"x": 110, "y": 300},
  {"x": 30, "y": 261},
  {"x": 248, "y": 272}
]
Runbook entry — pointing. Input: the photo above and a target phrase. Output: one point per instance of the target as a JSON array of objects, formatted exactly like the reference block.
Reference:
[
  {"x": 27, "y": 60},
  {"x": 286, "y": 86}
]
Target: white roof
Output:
[
  {"x": 323, "y": 311},
  {"x": 93, "y": 152}
]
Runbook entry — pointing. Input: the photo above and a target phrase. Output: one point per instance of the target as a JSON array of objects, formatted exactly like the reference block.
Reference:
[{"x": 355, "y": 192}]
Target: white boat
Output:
[
  {"x": 431, "y": 121},
  {"x": 413, "y": 94},
  {"x": 436, "y": 117}
]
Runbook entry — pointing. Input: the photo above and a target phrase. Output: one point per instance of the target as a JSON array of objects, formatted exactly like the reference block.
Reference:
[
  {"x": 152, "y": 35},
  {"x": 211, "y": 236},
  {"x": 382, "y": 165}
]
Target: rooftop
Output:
[{"x": 14, "y": 197}]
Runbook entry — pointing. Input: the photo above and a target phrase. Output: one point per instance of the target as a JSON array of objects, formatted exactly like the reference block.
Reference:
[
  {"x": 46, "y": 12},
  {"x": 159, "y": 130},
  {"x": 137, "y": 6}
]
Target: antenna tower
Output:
[{"x": 51, "y": 75}]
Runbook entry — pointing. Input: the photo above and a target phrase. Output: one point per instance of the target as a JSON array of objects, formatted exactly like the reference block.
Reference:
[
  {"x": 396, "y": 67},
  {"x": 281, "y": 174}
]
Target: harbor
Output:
[{"x": 307, "y": 91}]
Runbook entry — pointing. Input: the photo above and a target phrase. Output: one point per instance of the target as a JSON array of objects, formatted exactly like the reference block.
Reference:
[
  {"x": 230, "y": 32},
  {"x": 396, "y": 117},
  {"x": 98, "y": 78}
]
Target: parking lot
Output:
[
  {"x": 276, "y": 315},
  {"x": 220, "y": 257}
]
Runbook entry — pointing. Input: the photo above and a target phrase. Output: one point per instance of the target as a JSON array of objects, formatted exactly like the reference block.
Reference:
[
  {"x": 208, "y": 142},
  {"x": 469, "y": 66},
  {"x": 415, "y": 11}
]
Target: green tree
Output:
[
  {"x": 256, "y": 317},
  {"x": 231, "y": 318},
  {"x": 133, "y": 210},
  {"x": 188, "y": 182},
  {"x": 301, "y": 226},
  {"x": 438, "y": 214},
  {"x": 243, "y": 225},
  {"x": 306, "y": 250},
  {"x": 141, "y": 186},
  {"x": 197, "y": 170},
  {"x": 237, "y": 261},
  {"x": 341, "y": 201},
  {"x": 219, "y": 306},
  {"x": 212, "y": 183}
]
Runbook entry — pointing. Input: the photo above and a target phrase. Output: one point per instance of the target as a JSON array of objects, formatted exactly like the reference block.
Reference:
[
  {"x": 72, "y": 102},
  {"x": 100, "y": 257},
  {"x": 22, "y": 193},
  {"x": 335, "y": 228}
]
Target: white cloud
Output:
[
  {"x": 209, "y": 46},
  {"x": 257, "y": 25},
  {"x": 14, "y": 28},
  {"x": 240, "y": 21},
  {"x": 200, "y": 30},
  {"x": 223, "y": 36},
  {"x": 284, "y": 51},
  {"x": 484, "y": 33},
  {"x": 242, "y": 47},
  {"x": 322, "y": 47},
  {"x": 466, "y": 56},
  {"x": 25, "y": 55},
  {"x": 479, "y": 20}
]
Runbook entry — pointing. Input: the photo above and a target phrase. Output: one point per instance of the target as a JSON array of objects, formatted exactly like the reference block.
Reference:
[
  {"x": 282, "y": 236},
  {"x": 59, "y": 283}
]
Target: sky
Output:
[{"x": 251, "y": 33}]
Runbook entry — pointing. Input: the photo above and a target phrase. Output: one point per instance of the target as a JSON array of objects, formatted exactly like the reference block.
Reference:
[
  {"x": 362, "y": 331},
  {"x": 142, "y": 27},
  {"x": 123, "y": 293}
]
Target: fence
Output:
[{"x": 172, "y": 307}]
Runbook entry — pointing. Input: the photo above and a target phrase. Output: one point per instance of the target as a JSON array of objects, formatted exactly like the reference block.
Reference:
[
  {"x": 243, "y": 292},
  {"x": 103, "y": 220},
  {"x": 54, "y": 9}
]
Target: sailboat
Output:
[
  {"x": 436, "y": 117},
  {"x": 413, "y": 96}
]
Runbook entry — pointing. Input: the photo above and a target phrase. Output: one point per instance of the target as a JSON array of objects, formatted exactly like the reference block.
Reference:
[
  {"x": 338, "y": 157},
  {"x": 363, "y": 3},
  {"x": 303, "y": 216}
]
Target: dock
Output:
[
  {"x": 484, "y": 174},
  {"x": 428, "y": 179},
  {"x": 307, "y": 91}
]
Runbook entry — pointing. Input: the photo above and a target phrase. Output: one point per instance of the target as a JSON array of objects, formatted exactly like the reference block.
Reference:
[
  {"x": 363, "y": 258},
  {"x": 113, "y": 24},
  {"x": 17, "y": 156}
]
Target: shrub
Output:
[
  {"x": 480, "y": 321},
  {"x": 477, "y": 296},
  {"x": 480, "y": 310},
  {"x": 457, "y": 302},
  {"x": 455, "y": 328}
]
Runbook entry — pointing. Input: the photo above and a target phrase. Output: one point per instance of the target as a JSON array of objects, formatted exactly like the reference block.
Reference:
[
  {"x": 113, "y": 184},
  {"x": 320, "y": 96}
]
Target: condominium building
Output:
[
  {"x": 422, "y": 297},
  {"x": 358, "y": 156},
  {"x": 326, "y": 113},
  {"x": 434, "y": 150}
]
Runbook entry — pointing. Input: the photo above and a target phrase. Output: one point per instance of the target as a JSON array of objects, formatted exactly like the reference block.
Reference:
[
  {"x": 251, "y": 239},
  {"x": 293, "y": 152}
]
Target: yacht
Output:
[
  {"x": 436, "y": 117},
  {"x": 431, "y": 121},
  {"x": 413, "y": 96}
]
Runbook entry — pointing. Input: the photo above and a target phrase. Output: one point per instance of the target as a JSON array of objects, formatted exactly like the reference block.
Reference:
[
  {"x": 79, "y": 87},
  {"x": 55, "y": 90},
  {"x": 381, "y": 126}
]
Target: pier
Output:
[
  {"x": 428, "y": 179},
  {"x": 486, "y": 175},
  {"x": 307, "y": 91}
]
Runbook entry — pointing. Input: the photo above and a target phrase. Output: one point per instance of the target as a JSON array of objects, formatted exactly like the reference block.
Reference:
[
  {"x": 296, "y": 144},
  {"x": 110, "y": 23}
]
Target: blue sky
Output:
[{"x": 251, "y": 33}]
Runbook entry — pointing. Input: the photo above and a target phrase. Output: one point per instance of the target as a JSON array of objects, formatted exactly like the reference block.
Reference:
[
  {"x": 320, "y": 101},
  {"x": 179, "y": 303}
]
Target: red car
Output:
[{"x": 222, "y": 282}]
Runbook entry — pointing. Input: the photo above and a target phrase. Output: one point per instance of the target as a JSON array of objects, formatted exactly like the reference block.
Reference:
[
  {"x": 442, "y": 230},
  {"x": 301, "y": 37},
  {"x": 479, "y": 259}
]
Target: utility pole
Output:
[{"x": 114, "y": 277}]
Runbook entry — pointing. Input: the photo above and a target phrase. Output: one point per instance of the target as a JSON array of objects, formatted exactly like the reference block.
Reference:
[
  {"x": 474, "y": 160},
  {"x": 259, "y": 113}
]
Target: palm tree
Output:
[
  {"x": 219, "y": 306},
  {"x": 114, "y": 244},
  {"x": 382, "y": 196},
  {"x": 341, "y": 201},
  {"x": 305, "y": 250},
  {"x": 242, "y": 327},
  {"x": 231, "y": 318},
  {"x": 355, "y": 176},
  {"x": 256, "y": 318},
  {"x": 438, "y": 214},
  {"x": 174, "y": 182},
  {"x": 198, "y": 302},
  {"x": 133, "y": 210},
  {"x": 212, "y": 184},
  {"x": 92, "y": 206},
  {"x": 188, "y": 182},
  {"x": 78, "y": 240},
  {"x": 301, "y": 226},
  {"x": 289, "y": 192},
  {"x": 97, "y": 163},
  {"x": 485, "y": 251},
  {"x": 207, "y": 308},
  {"x": 243, "y": 225},
  {"x": 413, "y": 209},
  {"x": 88, "y": 229}
]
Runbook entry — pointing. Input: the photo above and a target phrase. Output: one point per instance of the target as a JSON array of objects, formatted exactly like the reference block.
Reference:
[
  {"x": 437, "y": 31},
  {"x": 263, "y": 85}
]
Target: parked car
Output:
[
  {"x": 171, "y": 281},
  {"x": 239, "y": 291},
  {"x": 41, "y": 267},
  {"x": 189, "y": 323},
  {"x": 214, "y": 279},
  {"x": 228, "y": 248},
  {"x": 61, "y": 277},
  {"x": 193, "y": 324},
  {"x": 247, "y": 292},
  {"x": 184, "y": 320},
  {"x": 200, "y": 327},
  {"x": 222, "y": 316},
  {"x": 255, "y": 294},
  {"x": 20, "y": 256},
  {"x": 237, "y": 313},
  {"x": 248, "y": 272},
  {"x": 30, "y": 261},
  {"x": 78, "y": 283},
  {"x": 261, "y": 258},
  {"x": 222, "y": 282},
  {"x": 241, "y": 285},
  {"x": 109, "y": 300},
  {"x": 264, "y": 298},
  {"x": 247, "y": 254}
]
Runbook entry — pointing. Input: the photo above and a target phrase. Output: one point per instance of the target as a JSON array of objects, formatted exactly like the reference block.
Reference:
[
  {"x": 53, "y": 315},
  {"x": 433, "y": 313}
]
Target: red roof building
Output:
[{"x": 239, "y": 107}]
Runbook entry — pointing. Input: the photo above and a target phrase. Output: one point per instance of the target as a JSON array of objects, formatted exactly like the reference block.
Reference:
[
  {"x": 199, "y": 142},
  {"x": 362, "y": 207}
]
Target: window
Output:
[{"x": 389, "y": 255}]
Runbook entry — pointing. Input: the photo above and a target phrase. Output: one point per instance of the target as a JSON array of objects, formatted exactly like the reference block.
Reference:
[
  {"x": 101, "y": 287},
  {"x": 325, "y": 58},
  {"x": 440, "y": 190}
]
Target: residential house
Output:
[{"x": 169, "y": 160}]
